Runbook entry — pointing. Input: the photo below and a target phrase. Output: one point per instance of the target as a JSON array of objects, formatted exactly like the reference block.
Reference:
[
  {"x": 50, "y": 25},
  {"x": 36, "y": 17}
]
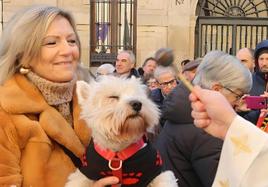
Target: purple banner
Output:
[{"x": 102, "y": 31}]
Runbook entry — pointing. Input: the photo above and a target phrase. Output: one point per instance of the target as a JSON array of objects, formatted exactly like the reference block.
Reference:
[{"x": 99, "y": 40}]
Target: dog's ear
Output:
[{"x": 82, "y": 91}]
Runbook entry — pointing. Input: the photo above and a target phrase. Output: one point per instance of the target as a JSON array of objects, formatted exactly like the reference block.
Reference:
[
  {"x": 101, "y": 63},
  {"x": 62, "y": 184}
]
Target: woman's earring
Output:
[{"x": 24, "y": 70}]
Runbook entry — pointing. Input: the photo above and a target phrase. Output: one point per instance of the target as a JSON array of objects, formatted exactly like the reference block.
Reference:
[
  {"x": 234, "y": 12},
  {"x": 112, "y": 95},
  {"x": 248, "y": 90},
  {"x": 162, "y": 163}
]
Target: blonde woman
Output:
[{"x": 41, "y": 136}]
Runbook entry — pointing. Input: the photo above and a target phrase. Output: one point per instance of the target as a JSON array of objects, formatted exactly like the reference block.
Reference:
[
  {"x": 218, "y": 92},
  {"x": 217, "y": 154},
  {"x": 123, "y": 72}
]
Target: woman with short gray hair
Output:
[
  {"x": 185, "y": 149},
  {"x": 220, "y": 70},
  {"x": 166, "y": 78}
]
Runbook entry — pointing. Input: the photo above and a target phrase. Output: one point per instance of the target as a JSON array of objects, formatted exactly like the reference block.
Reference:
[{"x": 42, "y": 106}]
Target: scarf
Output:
[{"x": 58, "y": 95}]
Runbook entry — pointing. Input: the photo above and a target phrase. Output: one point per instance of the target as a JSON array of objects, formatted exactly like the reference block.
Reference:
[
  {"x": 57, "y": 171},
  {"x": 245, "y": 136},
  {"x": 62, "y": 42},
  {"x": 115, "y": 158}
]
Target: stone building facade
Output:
[
  {"x": 160, "y": 23},
  {"x": 164, "y": 23}
]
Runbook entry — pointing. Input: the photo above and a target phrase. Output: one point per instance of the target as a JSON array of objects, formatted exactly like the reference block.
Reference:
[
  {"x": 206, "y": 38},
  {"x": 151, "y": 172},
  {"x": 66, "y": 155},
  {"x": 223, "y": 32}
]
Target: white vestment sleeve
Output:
[{"x": 244, "y": 157}]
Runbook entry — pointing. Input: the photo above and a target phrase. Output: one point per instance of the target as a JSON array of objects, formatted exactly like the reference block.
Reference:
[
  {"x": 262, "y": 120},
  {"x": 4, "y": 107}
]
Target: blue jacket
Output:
[
  {"x": 259, "y": 78},
  {"x": 260, "y": 81}
]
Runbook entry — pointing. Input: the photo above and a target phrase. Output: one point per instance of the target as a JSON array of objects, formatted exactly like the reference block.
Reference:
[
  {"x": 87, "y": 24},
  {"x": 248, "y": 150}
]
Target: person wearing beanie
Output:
[
  {"x": 260, "y": 83},
  {"x": 260, "y": 77}
]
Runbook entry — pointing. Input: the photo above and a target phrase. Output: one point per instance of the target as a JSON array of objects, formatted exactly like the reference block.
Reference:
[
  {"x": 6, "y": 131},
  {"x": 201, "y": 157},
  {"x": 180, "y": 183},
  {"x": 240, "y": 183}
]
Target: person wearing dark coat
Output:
[
  {"x": 260, "y": 76},
  {"x": 189, "y": 152},
  {"x": 167, "y": 81}
]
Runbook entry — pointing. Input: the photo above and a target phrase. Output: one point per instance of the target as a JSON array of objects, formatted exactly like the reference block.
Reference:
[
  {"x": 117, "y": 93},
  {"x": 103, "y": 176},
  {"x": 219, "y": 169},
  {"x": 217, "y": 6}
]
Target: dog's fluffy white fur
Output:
[{"x": 107, "y": 108}]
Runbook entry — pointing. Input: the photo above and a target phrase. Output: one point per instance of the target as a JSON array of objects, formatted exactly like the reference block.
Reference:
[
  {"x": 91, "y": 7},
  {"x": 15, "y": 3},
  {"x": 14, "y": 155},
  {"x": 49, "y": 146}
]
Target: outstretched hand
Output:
[{"x": 211, "y": 111}]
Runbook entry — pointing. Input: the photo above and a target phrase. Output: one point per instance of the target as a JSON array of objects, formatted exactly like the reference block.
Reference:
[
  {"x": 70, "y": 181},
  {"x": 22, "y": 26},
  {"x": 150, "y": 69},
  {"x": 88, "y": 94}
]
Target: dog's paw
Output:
[
  {"x": 166, "y": 178},
  {"x": 77, "y": 179}
]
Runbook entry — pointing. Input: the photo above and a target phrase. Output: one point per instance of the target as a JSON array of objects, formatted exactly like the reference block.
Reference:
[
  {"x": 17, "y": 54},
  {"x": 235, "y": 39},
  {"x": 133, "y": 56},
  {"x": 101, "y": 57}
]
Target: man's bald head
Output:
[{"x": 246, "y": 56}]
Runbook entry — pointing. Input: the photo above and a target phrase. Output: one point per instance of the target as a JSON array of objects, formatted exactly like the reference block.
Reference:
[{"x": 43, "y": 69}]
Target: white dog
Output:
[{"x": 119, "y": 113}]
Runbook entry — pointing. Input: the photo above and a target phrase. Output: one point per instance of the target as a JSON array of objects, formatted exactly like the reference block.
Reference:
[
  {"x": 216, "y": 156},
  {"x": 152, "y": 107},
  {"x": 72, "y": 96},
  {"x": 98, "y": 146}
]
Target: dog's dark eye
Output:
[{"x": 114, "y": 97}]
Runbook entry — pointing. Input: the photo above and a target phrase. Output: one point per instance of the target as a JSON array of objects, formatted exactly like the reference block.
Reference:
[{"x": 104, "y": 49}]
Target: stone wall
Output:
[{"x": 166, "y": 23}]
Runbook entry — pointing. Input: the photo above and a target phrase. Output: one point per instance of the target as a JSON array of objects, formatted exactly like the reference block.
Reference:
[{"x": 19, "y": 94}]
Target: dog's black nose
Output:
[{"x": 136, "y": 105}]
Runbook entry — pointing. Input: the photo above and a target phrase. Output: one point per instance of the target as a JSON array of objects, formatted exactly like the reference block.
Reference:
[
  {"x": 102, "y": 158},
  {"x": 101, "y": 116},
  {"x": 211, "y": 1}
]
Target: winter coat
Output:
[
  {"x": 134, "y": 72},
  {"x": 157, "y": 97},
  {"x": 259, "y": 83},
  {"x": 259, "y": 78},
  {"x": 31, "y": 133},
  {"x": 189, "y": 152}
]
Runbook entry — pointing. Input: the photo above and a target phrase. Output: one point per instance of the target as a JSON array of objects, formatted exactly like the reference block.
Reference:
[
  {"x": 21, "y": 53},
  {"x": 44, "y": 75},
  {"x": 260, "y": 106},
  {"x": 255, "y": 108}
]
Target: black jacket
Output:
[
  {"x": 134, "y": 72},
  {"x": 189, "y": 152}
]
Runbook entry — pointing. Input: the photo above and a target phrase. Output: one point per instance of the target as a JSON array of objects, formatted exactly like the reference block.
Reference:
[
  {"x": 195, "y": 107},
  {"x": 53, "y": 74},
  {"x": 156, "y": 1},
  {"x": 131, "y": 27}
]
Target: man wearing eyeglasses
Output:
[
  {"x": 124, "y": 65},
  {"x": 166, "y": 78},
  {"x": 167, "y": 81}
]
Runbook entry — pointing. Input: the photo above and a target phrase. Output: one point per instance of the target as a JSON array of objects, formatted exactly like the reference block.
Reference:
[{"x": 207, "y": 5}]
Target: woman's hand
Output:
[{"x": 106, "y": 181}]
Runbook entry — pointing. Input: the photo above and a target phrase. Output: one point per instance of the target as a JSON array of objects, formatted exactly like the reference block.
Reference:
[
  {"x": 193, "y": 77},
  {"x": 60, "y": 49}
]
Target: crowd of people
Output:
[{"x": 42, "y": 137}]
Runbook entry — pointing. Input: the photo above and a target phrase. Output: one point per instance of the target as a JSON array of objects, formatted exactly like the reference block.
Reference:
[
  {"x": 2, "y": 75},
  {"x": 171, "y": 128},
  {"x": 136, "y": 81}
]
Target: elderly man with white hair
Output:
[{"x": 125, "y": 65}]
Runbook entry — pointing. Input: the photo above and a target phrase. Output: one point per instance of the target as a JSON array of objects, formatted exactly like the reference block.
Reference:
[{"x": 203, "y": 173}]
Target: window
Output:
[{"x": 113, "y": 28}]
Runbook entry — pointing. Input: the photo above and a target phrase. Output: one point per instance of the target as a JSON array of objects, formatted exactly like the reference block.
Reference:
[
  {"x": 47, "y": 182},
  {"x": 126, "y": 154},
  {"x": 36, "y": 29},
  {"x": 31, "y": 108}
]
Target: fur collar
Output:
[{"x": 20, "y": 96}]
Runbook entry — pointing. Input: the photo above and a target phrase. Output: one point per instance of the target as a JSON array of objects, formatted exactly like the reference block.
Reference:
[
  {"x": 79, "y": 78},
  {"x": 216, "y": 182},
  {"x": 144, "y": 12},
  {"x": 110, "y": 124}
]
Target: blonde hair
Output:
[{"x": 21, "y": 40}]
